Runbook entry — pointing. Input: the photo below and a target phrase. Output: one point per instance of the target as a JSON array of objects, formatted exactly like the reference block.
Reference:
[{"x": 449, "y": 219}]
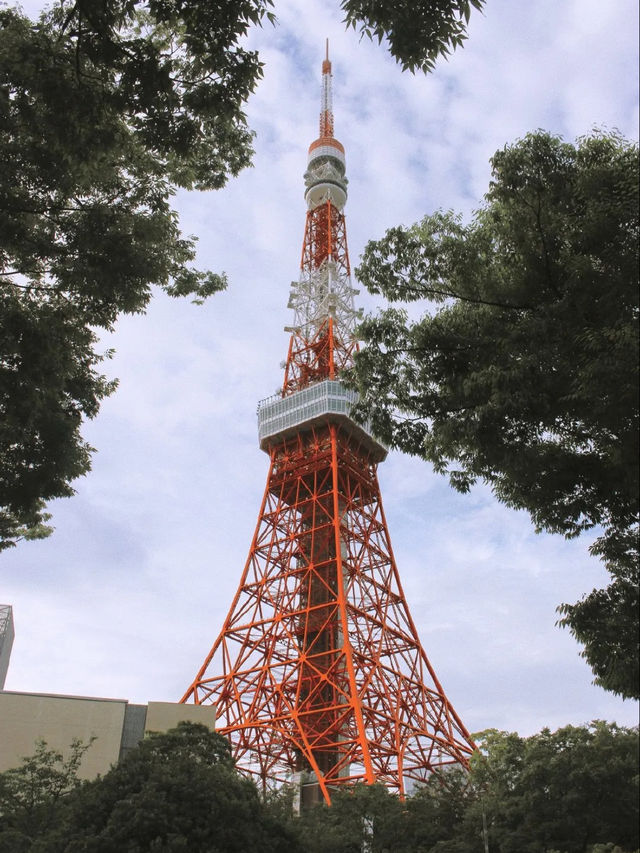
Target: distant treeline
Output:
[{"x": 570, "y": 791}]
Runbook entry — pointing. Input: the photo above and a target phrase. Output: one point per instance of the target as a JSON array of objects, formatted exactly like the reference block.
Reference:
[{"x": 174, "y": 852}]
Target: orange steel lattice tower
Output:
[{"x": 318, "y": 674}]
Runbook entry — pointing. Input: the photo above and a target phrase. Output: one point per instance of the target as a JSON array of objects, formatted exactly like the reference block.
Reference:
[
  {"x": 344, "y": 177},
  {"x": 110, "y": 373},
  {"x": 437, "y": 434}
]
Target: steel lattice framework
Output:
[{"x": 318, "y": 674}]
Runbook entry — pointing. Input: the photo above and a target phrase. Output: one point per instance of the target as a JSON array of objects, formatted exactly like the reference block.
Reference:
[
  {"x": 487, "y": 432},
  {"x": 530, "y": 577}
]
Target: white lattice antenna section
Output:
[
  {"x": 320, "y": 294},
  {"x": 326, "y": 104}
]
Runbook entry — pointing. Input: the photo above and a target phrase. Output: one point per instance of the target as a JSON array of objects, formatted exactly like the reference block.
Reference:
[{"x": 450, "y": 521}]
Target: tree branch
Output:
[{"x": 450, "y": 295}]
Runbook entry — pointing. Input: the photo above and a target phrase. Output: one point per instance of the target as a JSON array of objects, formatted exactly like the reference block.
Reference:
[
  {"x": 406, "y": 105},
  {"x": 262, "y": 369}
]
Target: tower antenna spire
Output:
[{"x": 326, "y": 106}]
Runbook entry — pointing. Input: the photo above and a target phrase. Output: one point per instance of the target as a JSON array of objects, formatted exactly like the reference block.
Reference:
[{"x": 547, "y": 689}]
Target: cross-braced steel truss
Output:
[
  {"x": 318, "y": 668},
  {"x": 323, "y": 336}
]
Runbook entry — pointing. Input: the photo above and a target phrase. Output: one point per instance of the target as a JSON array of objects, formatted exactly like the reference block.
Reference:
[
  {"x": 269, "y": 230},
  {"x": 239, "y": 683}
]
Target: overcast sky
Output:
[{"x": 128, "y": 595}]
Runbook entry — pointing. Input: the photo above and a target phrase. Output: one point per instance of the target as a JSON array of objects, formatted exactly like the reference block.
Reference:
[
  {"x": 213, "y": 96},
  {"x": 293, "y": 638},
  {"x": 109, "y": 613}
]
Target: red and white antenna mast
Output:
[
  {"x": 326, "y": 112},
  {"x": 323, "y": 335}
]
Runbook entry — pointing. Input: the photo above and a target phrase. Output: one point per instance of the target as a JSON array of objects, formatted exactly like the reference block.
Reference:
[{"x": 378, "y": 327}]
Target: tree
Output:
[
  {"x": 365, "y": 817},
  {"x": 574, "y": 790},
  {"x": 566, "y": 790},
  {"x": 106, "y": 108},
  {"x": 523, "y": 372},
  {"x": 176, "y": 791},
  {"x": 440, "y": 815},
  {"x": 604, "y": 622},
  {"x": 33, "y": 796},
  {"x": 418, "y": 33}
]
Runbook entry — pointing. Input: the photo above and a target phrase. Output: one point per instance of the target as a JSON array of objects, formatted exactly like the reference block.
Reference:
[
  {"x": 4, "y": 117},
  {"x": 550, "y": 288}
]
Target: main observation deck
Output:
[{"x": 327, "y": 401}]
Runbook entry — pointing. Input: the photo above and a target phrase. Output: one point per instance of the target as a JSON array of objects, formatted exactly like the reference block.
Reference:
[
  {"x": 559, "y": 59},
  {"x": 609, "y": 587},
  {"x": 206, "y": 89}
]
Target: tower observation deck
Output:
[{"x": 318, "y": 674}]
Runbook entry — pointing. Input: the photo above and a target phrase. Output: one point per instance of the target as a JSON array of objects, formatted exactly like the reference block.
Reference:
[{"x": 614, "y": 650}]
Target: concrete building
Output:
[
  {"x": 116, "y": 724},
  {"x": 6, "y": 640}
]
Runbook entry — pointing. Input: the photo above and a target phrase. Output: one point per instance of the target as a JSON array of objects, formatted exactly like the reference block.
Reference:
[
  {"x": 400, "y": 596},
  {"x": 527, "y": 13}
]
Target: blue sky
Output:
[{"x": 127, "y": 596}]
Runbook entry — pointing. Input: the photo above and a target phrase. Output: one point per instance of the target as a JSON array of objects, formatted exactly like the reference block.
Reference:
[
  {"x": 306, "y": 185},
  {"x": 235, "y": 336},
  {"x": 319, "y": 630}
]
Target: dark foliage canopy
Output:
[
  {"x": 106, "y": 108},
  {"x": 523, "y": 369},
  {"x": 176, "y": 791},
  {"x": 418, "y": 31},
  {"x": 572, "y": 791},
  {"x": 33, "y": 797}
]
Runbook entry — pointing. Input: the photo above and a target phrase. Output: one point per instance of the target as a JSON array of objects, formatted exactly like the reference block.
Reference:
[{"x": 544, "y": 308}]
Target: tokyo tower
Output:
[{"x": 318, "y": 674}]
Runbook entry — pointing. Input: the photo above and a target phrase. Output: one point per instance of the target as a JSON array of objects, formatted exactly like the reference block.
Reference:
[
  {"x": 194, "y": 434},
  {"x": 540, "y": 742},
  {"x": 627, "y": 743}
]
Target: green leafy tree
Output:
[
  {"x": 106, "y": 109},
  {"x": 418, "y": 31},
  {"x": 366, "y": 817},
  {"x": 604, "y": 622},
  {"x": 567, "y": 790},
  {"x": 176, "y": 791},
  {"x": 33, "y": 796},
  {"x": 523, "y": 370},
  {"x": 436, "y": 816},
  {"x": 570, "y": 791}
]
